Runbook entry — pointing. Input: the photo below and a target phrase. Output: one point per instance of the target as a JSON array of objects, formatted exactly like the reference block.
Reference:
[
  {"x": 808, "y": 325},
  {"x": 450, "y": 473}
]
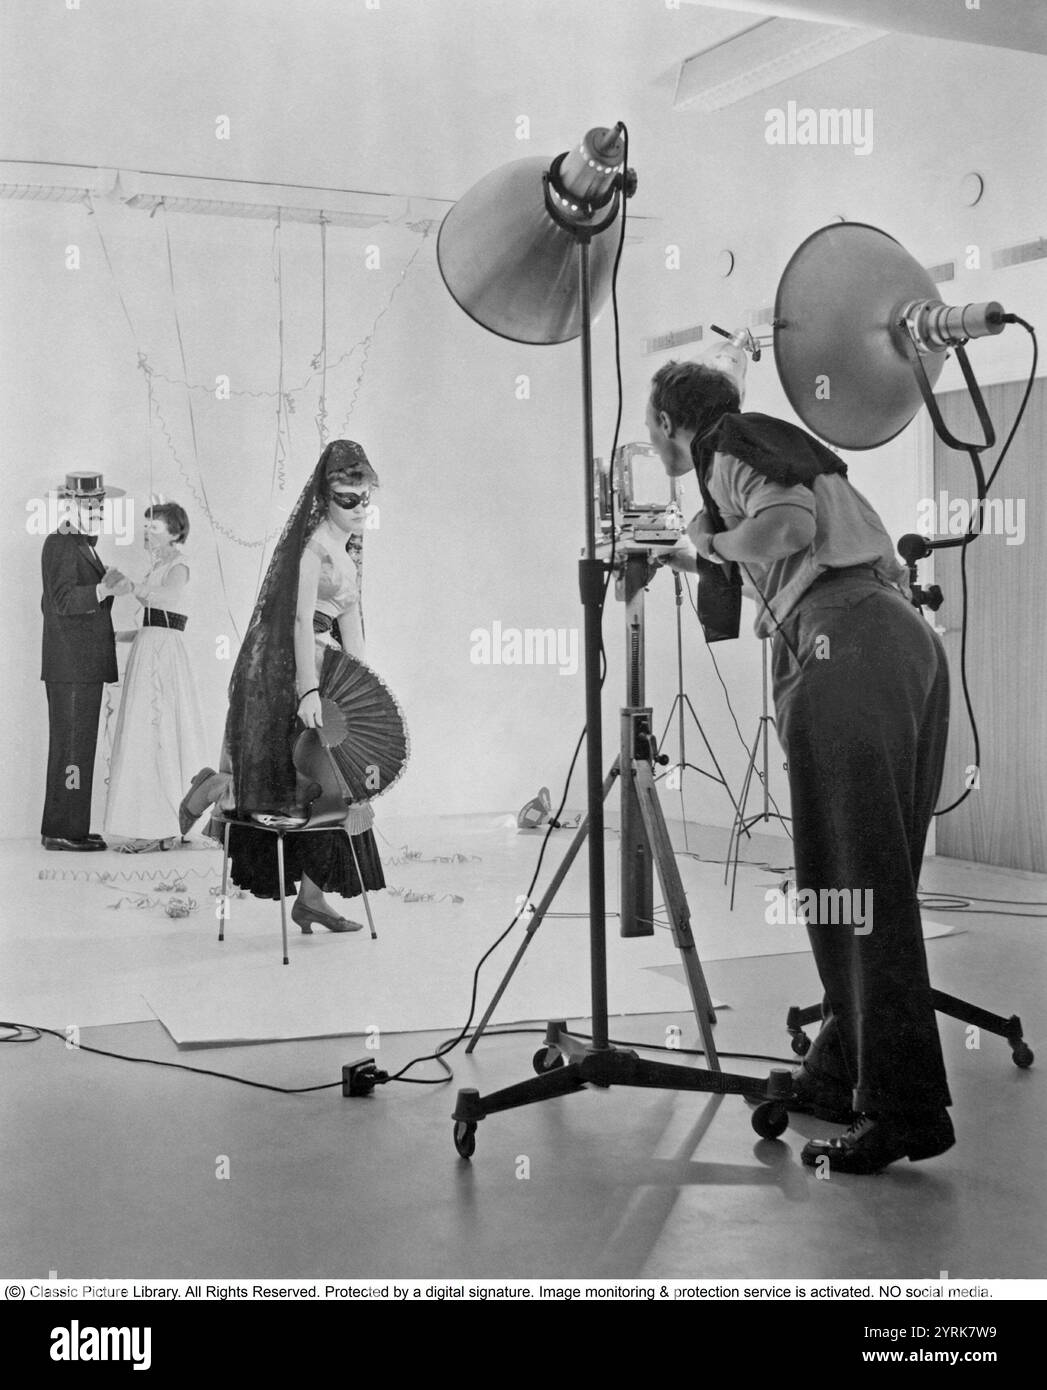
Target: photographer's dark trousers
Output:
[{"x": 863, "y": 714}]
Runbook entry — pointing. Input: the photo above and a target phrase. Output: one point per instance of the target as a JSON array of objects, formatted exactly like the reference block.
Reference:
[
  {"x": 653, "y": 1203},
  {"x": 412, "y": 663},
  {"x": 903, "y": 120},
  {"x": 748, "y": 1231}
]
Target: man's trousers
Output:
[
  {"x": 73, "y": 708},
  {"x": 861, "y": 693}
]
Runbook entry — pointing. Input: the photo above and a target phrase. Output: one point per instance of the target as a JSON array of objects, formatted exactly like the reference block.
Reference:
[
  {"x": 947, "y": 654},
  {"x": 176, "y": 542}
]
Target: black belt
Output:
[
  {"x": 159, "y": 617},
  {"x": 844, "y": 572}
]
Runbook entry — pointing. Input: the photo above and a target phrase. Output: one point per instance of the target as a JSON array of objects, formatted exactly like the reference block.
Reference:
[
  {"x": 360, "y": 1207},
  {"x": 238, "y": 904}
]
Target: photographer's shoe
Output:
[{"x": 872, "y": 1143}]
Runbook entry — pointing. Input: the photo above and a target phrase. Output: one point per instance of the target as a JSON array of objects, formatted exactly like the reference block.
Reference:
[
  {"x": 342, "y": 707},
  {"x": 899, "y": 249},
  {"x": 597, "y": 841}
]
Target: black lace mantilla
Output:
[{"x": 263, "y": 697}]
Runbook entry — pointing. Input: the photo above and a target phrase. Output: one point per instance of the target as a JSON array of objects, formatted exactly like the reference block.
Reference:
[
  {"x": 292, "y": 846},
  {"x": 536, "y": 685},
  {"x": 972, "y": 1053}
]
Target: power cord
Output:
[{"x": 32, "y": 1032}]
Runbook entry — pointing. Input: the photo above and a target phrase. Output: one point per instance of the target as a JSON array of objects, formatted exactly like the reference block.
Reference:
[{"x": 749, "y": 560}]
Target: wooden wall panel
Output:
[{"x": 1005, "y": 821}]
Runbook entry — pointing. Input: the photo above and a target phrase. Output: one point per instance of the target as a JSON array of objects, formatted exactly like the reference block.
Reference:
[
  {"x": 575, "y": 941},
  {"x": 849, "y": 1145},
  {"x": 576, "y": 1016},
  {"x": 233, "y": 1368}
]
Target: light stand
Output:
[
  {"x": 594, "y": 1062},
  {"x": 742, "y": 823}
]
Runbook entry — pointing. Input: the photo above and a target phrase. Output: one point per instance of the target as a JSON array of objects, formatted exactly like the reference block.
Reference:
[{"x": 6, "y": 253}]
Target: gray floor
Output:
[{"x": 113, "y": 1170}]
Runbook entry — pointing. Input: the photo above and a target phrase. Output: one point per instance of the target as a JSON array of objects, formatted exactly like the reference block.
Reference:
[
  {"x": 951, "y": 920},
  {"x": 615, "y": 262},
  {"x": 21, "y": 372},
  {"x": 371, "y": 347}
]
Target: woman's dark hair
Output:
[
  {"x": 173, "y": 516},
  {"x": 692, "y": 395},
  {"x": 344, "y": 462}
]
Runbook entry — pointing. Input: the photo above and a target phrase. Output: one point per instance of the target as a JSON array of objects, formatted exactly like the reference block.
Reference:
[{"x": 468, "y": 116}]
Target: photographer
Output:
[{"x": 861, "y": 697}]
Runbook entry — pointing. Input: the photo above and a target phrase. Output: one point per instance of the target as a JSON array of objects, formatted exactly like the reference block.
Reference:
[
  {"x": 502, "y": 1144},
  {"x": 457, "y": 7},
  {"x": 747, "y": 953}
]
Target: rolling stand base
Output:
[
  {"x": 1009, "y": 1028},
  {"x": 566, "y": 1064}
]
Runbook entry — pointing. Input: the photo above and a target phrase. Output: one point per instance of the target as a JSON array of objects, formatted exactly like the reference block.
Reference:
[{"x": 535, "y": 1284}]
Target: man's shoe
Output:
[
  {"x": 821, "y": 1096},
  {"x": 872, "y": 1143},
  {"x": 91, "y": 842}
]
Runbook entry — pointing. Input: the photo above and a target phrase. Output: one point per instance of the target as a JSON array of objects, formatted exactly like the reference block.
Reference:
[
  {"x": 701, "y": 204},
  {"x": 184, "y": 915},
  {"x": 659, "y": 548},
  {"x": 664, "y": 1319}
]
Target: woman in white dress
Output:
[{"x": 159, "y": 736}]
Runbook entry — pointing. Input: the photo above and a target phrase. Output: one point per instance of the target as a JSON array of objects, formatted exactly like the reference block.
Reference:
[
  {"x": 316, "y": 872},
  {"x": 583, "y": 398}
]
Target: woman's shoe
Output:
[
  {"x": 193, "y": 806},
  {"x": 305, "y": 916},
  {"x": 145, "y": 846}
]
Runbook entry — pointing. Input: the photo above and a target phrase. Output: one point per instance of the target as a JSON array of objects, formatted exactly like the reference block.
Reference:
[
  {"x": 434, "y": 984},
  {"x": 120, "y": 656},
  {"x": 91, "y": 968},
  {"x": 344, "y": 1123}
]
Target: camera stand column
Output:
[
  {"x": 640, "y": 803},
  {"x": 645, "y": 843}
]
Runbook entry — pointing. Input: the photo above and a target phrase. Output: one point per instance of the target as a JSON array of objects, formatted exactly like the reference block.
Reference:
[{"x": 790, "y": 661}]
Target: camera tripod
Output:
[
  {"x": 564, "y": 1063},
  {"x": 742, "y": 822},
  {"x": 681, "y": 706}
]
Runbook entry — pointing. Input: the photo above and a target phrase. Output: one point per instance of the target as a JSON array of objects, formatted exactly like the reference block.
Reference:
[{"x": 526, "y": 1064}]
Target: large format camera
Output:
[{"x": 650, "y": 519}]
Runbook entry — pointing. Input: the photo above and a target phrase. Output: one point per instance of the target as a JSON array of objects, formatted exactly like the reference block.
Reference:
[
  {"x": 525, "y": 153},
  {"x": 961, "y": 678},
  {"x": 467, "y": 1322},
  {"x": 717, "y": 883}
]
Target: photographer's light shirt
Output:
[{"x": 847, "y": 532}]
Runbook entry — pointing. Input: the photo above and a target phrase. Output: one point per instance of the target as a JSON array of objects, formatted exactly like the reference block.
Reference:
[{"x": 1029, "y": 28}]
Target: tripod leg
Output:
[
  {"x": 735, "y": 843},
  {"x": 580, "y": 837},
  {"x": 676, "y": 902},
  {"x": 712, "y": 756}
]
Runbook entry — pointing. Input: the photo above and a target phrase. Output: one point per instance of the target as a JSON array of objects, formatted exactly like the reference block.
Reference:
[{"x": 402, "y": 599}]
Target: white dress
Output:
[{"x": 159, "y": 744}]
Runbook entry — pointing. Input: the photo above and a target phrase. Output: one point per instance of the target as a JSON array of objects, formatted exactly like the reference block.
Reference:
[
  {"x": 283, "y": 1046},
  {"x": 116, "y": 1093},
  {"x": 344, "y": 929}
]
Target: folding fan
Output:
[{"x": 363, "y": 726}]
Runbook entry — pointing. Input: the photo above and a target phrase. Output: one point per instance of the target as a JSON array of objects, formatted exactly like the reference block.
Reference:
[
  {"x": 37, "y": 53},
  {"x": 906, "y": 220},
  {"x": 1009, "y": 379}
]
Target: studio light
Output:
[
  {"x": 860, "y": 335},
  {"x": 508, "y": 250}
]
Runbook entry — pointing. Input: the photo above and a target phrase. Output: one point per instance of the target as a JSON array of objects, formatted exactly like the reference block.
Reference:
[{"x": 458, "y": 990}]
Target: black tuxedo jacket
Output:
[{"x": 78, "y": 630}]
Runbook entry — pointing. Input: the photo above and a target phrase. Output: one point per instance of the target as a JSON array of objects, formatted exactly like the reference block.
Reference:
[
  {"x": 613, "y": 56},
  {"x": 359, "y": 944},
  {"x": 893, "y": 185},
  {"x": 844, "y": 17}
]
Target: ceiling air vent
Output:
[
  {"x": 678, "y": 338},
  {"x": 1018, "y": 255}
]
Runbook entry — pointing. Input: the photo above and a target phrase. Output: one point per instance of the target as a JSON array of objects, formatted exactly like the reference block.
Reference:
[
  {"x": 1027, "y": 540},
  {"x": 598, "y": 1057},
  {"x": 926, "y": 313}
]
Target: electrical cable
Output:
[
  {"x": 976, "y": 521},
  {"x": 22, "y": 1031},
  {"x": 450, "y": 1044}
]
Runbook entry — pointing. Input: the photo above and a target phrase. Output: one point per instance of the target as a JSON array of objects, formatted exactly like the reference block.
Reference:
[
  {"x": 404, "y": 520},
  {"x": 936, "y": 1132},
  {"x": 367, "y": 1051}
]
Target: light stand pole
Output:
[{"x": 591, "y": 581}]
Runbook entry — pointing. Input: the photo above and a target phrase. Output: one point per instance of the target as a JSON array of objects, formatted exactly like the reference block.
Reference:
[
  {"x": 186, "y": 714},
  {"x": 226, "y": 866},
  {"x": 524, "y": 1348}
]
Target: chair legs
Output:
[
  {"x": 283, "y": 903},
  {"x": 363, "y": 890},
  {"x": 223, "y": 901}
]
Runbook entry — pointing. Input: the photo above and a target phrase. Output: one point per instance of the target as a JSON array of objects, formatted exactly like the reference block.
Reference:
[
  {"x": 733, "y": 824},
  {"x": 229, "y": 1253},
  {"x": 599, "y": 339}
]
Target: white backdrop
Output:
[{"x": 476, "y": 440}]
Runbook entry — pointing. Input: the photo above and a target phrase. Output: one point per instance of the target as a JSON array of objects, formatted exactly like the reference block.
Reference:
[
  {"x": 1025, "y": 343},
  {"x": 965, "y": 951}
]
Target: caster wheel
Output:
[
  {"x": 543, "y": 1062},
  {"x": 465, "y": 1138},
  {"x": 1022, "y": 1055},
  {"x": 770, "y": 1119},
  {"x": 801, "y": 1044}
]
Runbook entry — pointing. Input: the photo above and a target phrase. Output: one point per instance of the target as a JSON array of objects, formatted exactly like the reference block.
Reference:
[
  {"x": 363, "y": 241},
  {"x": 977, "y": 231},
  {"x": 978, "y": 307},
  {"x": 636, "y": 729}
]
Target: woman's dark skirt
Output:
[{"x": 324, "y": 855}]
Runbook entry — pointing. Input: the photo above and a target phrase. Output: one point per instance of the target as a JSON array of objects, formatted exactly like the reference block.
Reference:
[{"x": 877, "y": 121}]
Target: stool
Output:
[{"x": 306, "y": 828}]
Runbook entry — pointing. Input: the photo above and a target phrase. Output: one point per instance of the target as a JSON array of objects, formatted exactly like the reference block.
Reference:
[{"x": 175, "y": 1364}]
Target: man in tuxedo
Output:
[{"x": 79, "y": 657}]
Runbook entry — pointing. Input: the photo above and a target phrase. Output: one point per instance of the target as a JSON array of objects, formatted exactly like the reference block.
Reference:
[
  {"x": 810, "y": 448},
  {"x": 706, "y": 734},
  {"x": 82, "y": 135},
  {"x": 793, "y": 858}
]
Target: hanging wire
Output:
[
  {"x": 284, "y": 396},
  {"x": 278, "y": 476},
  {"x": 366, "y": 341},
  {"x": 192, "y": 419},
  {"x": 321, "y": 412}
]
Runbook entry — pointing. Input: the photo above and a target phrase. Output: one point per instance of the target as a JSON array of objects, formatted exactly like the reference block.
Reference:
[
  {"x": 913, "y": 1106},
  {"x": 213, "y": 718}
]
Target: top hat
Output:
[{"x": 87, "y": 486}]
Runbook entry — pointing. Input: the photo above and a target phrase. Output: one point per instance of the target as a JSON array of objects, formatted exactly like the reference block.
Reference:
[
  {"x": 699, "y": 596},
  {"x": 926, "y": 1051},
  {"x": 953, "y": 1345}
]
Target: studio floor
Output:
[{"x": 117, "y": 1170}]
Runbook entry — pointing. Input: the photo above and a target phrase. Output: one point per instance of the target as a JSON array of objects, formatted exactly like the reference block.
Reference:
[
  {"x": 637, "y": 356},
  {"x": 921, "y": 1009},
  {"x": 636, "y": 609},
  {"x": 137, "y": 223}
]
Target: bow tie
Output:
[{"x": 91, "y": 540}]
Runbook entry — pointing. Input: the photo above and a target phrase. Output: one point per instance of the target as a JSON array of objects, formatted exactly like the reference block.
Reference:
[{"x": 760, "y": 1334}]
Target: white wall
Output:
[
  {"x": 939, "y": 111},
  {"x": 481, "y": 504}
]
